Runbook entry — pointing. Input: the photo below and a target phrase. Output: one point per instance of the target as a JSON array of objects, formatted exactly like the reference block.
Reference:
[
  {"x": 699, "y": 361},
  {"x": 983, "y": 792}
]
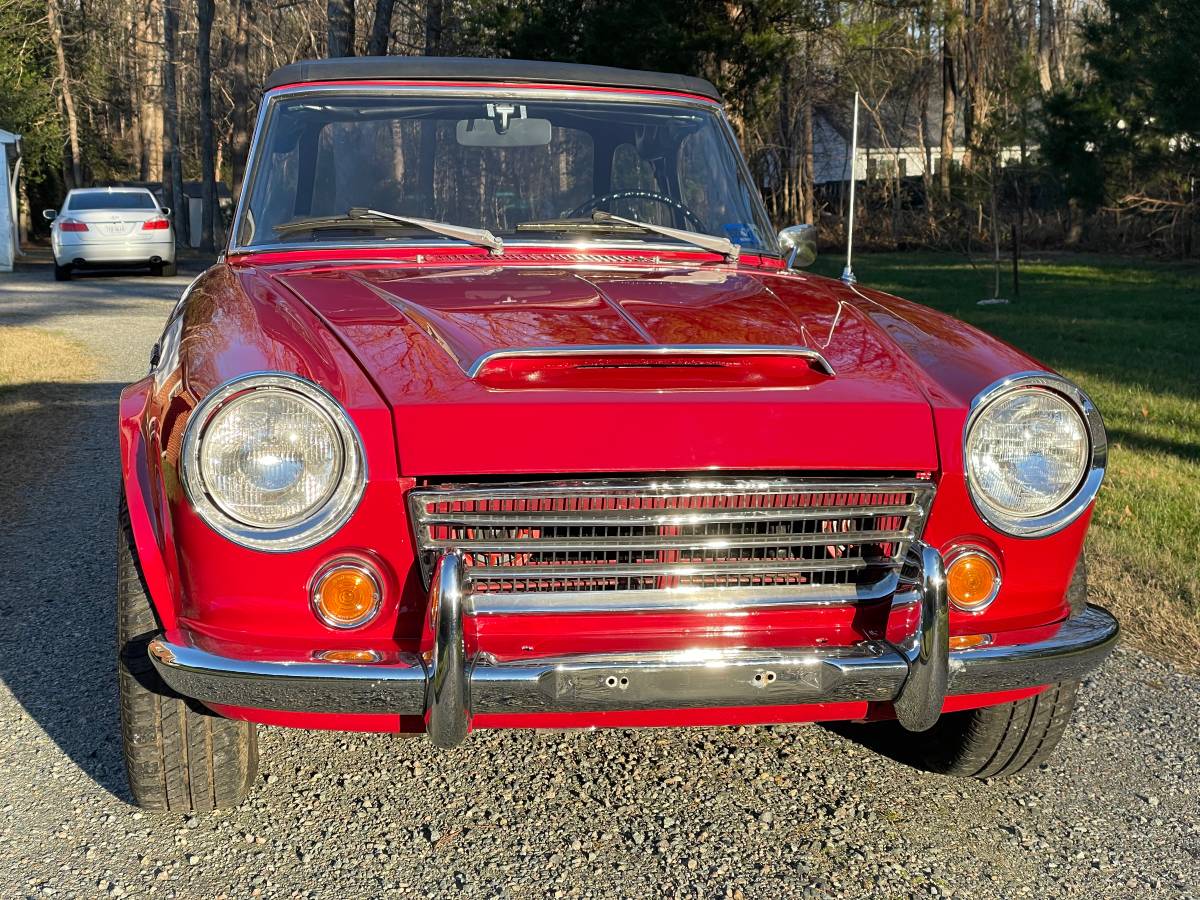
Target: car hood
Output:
[{"x": 418, "y": 332}]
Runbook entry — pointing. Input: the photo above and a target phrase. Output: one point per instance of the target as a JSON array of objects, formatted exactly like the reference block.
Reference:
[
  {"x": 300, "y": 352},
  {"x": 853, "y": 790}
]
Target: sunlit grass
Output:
[{"x": 1129, "y": 333}]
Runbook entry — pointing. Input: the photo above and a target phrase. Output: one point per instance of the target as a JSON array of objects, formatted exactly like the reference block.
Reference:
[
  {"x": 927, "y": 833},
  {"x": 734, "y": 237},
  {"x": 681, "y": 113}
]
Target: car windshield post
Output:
[{"x": 667, "y": 166}]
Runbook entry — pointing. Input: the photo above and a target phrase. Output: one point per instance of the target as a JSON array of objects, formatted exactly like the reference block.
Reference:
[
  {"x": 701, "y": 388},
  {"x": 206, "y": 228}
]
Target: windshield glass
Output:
[
  {"x": 524, "y": 169},
  {"x": 115, "y": 200}
]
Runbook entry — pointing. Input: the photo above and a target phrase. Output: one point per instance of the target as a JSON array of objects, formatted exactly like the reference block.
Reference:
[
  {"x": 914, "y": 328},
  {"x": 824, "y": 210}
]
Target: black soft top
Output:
[{"x": 437, "y": 68}]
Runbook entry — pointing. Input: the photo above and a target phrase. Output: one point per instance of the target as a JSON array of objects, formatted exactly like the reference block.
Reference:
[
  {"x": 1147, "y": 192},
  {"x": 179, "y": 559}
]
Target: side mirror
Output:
[
  {"x": 799, "y": 242},
  {"x": 166, "y": 210},
  {"x": 49, "y": 214}
]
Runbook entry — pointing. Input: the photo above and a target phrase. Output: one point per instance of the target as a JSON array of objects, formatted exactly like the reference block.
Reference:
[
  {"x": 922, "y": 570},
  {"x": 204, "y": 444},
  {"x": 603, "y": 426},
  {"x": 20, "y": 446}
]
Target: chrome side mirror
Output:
[
  {"x": 49, "y": 214},
  {"x": 166, "y": 211},
  {"x": 799, "y": 242}
]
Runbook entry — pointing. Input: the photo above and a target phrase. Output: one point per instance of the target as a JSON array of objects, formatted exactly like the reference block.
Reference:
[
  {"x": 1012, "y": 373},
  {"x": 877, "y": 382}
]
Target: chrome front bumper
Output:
[{"x": 448, "y": 688}]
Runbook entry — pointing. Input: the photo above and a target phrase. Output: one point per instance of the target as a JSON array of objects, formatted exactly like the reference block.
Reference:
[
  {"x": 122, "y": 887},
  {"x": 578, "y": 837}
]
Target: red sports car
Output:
[{"x": 506, "y": 408}]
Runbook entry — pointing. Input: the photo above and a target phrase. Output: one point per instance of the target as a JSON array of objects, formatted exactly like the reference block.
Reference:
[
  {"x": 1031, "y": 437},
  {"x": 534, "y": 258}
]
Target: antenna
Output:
[{"x": 848, "y": 272}]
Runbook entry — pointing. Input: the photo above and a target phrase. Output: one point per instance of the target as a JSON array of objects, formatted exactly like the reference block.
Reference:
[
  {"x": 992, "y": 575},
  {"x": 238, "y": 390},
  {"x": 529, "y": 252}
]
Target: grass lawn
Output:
[{"x": 1129, "y": 333}]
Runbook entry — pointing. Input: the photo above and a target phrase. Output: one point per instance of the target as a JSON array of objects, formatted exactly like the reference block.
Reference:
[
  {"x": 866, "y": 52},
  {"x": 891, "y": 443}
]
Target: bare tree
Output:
[
  {"x": 949, "y": 99},
  {"x": 381, "y": 28},
  {"x": 341, "y": 28},
  {"x": 208, "y": 179},
  {"x": 75, "y": 171},
  {"x": 239, "y": 142},
  {"x": 172, "y": 175}
]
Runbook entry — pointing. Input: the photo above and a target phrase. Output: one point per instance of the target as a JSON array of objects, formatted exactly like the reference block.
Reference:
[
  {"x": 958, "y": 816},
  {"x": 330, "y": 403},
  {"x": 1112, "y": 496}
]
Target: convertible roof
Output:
[{"x": 436, "y": 68}]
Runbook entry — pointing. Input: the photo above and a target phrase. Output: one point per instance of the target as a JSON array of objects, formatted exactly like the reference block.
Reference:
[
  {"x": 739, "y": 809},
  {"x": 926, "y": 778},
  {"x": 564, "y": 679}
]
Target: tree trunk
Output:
[
  {"x": 433, "y": 27},
  {"x": 1045, "y": 47},
  {"x": 949, "y": 99},
  {"x": 381, "y": 28},
  {"x": 208, "y": 177},
  {"x": 243, "y": 106},
  {"x": 808, "y": 169},
  {"x": 341, "y": 28},
  {"x": 150, "y": 124},
  {"x": 172, "y": 174},
  {"x": 74, "y": 171}
]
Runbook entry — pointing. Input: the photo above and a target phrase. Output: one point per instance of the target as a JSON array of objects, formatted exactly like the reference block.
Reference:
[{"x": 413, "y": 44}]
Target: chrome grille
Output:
[{"x": 672, "y": 538}]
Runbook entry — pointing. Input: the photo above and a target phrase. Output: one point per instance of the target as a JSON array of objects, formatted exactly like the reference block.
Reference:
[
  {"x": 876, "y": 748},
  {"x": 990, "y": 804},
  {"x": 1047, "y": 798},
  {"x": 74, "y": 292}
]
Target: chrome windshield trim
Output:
[
  {"x": 1089, "y": 485},
  {"x": 271, "y": 97},
  {"x": 814, "y": 358}
]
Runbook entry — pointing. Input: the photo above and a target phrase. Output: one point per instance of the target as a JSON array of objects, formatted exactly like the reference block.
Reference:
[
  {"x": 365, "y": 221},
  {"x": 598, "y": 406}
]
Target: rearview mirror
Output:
[
  {"x": 519, "y": 133},
  {"x": 166, "y": 210},
  {"x": 49, "y": 214},
  {"x": 799, "y": 242}
]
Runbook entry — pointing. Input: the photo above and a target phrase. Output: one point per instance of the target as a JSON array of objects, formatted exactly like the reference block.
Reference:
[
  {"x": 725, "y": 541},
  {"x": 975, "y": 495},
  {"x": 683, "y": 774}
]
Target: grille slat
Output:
[{"x": 616, "y": 539}]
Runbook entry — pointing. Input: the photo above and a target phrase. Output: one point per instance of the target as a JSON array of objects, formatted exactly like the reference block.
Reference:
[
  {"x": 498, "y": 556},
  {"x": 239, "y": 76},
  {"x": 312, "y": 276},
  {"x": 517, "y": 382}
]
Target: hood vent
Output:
[{"x": 651, "y": 367}]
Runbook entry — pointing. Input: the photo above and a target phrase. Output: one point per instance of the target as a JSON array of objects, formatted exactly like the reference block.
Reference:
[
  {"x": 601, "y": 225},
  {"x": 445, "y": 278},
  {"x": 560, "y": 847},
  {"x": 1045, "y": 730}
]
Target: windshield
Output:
[
  {"x": 110, "y": 200},
  {"x": 532, "y": 169}
]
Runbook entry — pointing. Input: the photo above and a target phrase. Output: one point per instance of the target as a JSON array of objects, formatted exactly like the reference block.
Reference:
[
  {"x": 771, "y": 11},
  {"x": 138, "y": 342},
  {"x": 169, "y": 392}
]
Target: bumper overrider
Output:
[{"x": 448, "y": 688}]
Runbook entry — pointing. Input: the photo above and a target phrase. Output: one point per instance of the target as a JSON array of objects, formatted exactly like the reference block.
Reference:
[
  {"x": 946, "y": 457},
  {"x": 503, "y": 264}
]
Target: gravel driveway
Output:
[{"x": 752, "y": 812}]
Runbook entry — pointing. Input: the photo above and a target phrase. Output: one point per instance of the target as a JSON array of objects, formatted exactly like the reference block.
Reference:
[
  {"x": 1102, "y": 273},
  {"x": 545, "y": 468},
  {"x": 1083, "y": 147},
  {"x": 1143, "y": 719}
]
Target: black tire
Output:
[
  {"x": 62, "y": 273},
  {"x": 996, "y": 742},
  {"x": 159, "y": 270},
  {"x": 179, "y": 756}
]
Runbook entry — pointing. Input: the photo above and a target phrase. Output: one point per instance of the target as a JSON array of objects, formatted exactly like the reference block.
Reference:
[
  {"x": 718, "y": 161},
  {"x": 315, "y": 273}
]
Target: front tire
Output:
[
  {"x": 994, "y": 742},
  {"x": 179, "y": 756}
]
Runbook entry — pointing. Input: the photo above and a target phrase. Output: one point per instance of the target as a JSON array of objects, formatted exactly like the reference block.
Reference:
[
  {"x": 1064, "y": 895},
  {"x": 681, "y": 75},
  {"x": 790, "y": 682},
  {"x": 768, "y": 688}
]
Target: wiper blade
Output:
[
  {"x": 480, "y": 237},
  {"x": 358, "y": 217},
  {"x": 721, "y": 245}
]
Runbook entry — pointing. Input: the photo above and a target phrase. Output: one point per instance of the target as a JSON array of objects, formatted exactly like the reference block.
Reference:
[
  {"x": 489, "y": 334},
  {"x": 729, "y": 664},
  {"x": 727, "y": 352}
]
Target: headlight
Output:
[
  {"x": 272, "y": 461},
  {"x": 1034, "y": 453}
]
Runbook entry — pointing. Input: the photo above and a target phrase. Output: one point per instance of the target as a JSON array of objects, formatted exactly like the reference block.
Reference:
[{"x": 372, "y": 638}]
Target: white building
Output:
[
  {"x": 10, "y": 168},
  {"x": 877, "y": 158}
]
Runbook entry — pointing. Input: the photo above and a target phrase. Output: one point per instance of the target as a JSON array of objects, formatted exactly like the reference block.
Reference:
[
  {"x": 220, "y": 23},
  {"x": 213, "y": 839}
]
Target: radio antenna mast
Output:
[{"x": 848, "y": 272}]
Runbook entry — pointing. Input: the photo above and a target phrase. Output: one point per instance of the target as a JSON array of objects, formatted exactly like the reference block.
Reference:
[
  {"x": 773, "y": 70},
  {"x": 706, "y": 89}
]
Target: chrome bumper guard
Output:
[{"x": 448, "y": 689}]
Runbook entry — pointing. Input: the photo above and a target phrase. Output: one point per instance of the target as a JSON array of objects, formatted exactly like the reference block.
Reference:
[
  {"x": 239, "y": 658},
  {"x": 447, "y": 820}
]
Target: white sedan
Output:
[{"x": 118, "y": 227}]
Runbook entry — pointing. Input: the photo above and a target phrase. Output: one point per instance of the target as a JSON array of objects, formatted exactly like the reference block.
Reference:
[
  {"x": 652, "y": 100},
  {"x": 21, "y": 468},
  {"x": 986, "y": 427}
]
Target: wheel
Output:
[
  {"x": 62, "y": 273},
  {"x": 163, "y": 269},
  {"x": 179, "y": 757},
  {"x": 995, "y": 742}
]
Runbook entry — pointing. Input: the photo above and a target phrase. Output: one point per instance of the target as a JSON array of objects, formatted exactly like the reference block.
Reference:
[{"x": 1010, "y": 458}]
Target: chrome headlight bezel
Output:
[
  {"x": 317, "y": 524},
  {"x": 1096, "y": 460}
]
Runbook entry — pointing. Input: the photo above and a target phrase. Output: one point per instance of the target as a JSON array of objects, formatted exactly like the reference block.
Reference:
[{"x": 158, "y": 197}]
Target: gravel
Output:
[{"x": 739, "y": 812}]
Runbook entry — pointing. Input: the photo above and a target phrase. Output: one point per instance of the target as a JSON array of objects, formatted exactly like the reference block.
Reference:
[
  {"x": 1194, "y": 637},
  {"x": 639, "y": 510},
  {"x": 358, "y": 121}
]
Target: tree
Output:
[
  {"x": 75, "y": 155},
  {"x": 340, "y": 41},
  {"x": 381, "y": 28},
  {"x": 208, "y": 185},
  {"x": 172, "y": 174}
]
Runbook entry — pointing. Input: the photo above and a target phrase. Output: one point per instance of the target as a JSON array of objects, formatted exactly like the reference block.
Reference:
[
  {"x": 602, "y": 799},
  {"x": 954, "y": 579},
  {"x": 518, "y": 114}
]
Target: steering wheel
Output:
[{"x": 588, "y": 205}]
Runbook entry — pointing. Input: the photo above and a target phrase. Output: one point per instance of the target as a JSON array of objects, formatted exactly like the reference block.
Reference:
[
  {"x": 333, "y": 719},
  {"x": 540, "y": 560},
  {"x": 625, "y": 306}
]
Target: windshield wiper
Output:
[
  {"x": 606, "y": 221},
  {"x": 360, "y": 217}
]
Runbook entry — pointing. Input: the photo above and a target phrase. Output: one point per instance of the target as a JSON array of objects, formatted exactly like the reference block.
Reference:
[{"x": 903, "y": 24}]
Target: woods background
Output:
[{"x": 1050, "y": 123}]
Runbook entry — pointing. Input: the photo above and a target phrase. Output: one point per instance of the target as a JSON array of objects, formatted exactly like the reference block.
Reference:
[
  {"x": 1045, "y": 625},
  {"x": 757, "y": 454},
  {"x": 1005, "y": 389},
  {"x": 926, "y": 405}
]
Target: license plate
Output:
[{"x": 115, "y": 228}]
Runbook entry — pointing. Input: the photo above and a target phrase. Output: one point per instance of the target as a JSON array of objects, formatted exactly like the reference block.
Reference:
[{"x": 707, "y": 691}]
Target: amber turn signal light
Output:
[
  {"x": 346, "y": 593},
  {"x": 972, "y": 579}
]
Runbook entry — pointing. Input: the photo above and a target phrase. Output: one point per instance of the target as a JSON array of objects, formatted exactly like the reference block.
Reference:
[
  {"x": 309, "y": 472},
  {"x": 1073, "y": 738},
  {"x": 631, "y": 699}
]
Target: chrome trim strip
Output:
[
  {"x": 681, "y": 679},
  {"x": 448, "y": 700},
  {"x": 686, "y": 542},
  {"x": 814, "y": 359},
  {"x": 676, "y": 600},
  {"x": 919, "y": 702},
  {"x": 674, "y": 486},
  {"x": 1085, "y": 491},
  {"x": 680, "y": 517}
]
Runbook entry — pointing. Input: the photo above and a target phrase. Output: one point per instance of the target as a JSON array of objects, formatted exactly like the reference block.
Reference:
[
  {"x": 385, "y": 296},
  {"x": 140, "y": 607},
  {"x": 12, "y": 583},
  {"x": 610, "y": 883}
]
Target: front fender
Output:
[{"x": 144, "y": 521}]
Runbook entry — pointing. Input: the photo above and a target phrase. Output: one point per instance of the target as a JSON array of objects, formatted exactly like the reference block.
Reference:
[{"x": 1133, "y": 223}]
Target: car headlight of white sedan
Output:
[
  {"x": 1034, "y": 453},
  {"x": 272, "y": 461}
]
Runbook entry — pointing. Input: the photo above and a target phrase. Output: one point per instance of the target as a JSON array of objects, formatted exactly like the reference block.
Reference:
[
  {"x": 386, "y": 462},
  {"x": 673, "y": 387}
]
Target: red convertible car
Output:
[{"x": 506, "y": 407}]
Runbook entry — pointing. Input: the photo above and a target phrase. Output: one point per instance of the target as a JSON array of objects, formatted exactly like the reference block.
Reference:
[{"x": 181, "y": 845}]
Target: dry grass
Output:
[{"x": 42, "y": 376}]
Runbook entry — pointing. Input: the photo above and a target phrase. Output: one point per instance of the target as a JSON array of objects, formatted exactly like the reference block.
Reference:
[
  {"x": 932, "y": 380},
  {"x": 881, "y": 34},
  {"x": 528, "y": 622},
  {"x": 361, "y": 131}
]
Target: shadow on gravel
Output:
[{"x": 58, "y": 483}]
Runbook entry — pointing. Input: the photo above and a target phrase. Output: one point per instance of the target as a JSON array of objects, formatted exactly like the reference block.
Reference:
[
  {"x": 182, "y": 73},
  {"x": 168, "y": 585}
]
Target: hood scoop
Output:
[{"x": 650, "y": 367}]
